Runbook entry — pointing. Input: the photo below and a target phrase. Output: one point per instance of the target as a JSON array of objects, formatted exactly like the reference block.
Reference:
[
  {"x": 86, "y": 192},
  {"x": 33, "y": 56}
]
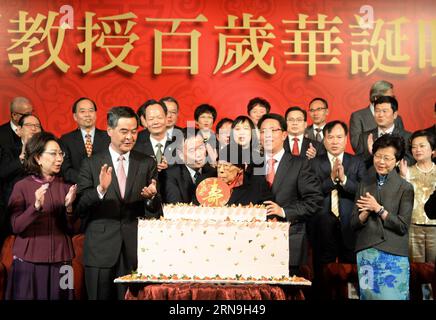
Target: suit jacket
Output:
[
  {"x": 363, "y": 120},
  {"x": 320, "y": 149},
  {"x": 75, "y": 151},
  {"x": 391, "y": 235},
  {"x": 430, "y": 206},
  {"x": 362, "y": 149},
  {"x": 355, "y": 172},
  {"x": 110, "y": 224},
  {"x": 11, "y": 171},
  {"x": 432, "y": 130},
  {"x": 254, "y": 190},
  {"x": 297, "y": 190},
  {"x": 179, "y": 186},
  {"x": 9, "y": 140}
]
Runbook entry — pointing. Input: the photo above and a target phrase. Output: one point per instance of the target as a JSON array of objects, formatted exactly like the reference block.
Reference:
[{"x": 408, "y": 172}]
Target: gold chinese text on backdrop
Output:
[{"x": 246, "y": 45}]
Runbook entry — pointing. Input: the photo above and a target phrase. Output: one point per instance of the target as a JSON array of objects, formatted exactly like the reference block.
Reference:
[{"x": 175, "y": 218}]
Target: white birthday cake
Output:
[{"x": 201, "y": 243}]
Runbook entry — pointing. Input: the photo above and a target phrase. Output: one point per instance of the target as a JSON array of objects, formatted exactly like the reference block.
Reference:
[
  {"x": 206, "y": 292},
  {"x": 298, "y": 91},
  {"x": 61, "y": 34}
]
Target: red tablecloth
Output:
[{"x": 201, "y": 291}]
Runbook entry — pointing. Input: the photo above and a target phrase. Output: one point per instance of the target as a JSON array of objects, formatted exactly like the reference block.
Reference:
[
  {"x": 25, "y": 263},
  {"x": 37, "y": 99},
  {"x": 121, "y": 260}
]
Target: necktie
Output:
[
  {"x": 318, "y": 135},
  {"x": 335, "y": 198},
  {"x": 121, "y": 175},
  {"x": 88, "y": 145},
  {"x": 295, "y": 151},
  {"x": 271, "y": 173},
  {"x": 159, "y": 153},
  {"x": 196, "y": 175}
]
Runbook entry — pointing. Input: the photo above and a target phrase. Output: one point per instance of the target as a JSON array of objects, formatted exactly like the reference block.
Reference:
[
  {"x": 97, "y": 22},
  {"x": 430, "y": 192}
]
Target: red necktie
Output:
[
  {"x": 121, "y": 175},
  {"x": 271, "y": 173},
  {"x": 295, "y": 151}
]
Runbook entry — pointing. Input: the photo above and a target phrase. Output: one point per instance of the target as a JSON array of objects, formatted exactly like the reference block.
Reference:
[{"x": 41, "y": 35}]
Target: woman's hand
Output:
[
  {"x": 71, "y": 196},
  {"x": 368, "y": 203},
  {"x": 404, "y": 170},
  {"x": 39, "y": 196}
]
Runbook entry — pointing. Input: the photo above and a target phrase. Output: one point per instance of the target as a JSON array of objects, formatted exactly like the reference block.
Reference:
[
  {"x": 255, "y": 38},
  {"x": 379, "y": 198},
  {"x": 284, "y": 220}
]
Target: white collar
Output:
[
  {"x": 91, "y": 132},
  {"x": 14, "y": 127},
  {"x": 115, "y": 155},
  {"x": 389, "y": 130},
  {"x": 154, "y": 142},
  {"x": 340, "y": 157}
]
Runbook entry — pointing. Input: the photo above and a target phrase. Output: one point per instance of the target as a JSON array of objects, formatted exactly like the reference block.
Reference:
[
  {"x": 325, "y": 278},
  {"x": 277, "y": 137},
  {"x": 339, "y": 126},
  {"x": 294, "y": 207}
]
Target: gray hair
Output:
[
  {"x": 379, "y": 89},
  {"x": 18, "y": 101},
  {"x": 115, "y": 113}
]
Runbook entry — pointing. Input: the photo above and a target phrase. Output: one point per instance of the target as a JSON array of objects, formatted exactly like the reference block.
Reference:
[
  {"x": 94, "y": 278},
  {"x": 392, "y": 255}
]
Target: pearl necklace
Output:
[{"x": 425, "y": 171}]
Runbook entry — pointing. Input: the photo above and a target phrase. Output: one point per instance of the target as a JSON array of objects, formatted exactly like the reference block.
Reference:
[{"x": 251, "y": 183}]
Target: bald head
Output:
[{"x": 19, "y": 107}]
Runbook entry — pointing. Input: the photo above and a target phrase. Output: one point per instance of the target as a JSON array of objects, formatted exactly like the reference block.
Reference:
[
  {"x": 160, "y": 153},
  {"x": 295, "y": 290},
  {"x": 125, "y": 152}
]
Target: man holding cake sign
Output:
[
  {"x": 115, "y": 187},
  {"x": 296, "y": 190}
]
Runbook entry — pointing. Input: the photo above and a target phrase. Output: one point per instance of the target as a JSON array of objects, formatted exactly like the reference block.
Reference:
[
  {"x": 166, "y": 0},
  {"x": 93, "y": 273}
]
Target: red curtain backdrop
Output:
[{"x": 53, "y": 91}]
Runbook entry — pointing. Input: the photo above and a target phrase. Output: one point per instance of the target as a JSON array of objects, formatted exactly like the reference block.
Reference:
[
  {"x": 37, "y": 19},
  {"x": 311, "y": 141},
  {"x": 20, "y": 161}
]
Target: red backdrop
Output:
[{"x": 53, "y": 91}]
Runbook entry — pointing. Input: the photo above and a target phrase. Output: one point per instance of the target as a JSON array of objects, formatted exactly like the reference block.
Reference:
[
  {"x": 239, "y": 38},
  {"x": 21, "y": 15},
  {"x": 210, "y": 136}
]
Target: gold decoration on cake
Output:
[{"x": 213, "y": 192}]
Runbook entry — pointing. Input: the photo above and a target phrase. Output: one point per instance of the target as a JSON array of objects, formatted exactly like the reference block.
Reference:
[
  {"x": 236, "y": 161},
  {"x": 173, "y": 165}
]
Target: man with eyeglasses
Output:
[
  {"x": 9, "y": 138},
  {"x": 84, "y": 141},
  {"x": 296, "y": 142},
  {"x": 296, "y": 190},
  {"x": 385, "y": 113},
  {"x": 363, "y": 120},
  {"x": 318, "y": 110}
]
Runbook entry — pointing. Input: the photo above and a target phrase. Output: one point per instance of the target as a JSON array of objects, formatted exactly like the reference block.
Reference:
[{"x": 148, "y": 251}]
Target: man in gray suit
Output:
[
  {"x": 363, "y": 120},
  {"x": 116, "y": 186}
]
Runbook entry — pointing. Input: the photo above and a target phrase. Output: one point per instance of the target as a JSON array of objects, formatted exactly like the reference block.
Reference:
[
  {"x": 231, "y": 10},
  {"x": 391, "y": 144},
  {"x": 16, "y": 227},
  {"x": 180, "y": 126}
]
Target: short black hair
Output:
[
  {"x": 169, "y": 99},
  {"x": 150, "y": 102},
  {"x": 296, "y": 108},
  {"x": 423, "y": 133},
  {"x": 34, "y": 148},
  {"x": 205, "y": 108},
  {"x": 258, "y": 101},
  {"x": 330, "y": 125},
  {"x": 394, "y": 141},
  {"x": 116, "y": 113},
  {"x": 74, "y": 108},
  {"x": 319, "y": 99},
  {"x": 273, "y": 116},
  {"x": 222, "y": 122},
  {"x": 24, "y": 117},
  {"x": 387, "y": 99}
]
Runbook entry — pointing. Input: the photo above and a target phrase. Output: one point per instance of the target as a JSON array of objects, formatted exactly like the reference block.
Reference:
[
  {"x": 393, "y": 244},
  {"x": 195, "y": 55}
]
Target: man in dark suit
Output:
[
  {"x": 339, "y": 174},
  {"x": 363, "y": 119},
  {"x": 181, "y": 180},
  {"x": 9, "y": 139},
  {"x": 172, "y": 115},
  {"x": 296, "y": 142},
  {"x": 385, "y": 113},
  {"x": 115, "y": 187},
  {"x": 83, "y": 142},
  {"x": 296, "y": 190},
  {"x": 318, "y": 110},
  {"x": 432, "y": 130}
]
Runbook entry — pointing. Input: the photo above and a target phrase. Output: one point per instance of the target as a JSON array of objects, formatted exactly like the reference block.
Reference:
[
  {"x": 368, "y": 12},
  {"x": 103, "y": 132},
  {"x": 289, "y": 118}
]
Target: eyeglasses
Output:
[
  {"x": 380, "y": 157},
  {"x": 23, "y": 114},
  {"x": 31, "y": 125},
  {"x": 263, "y": 131},
  {"x": 299, "y": 120},
  {"x": 54, "y": 153},
  {"x": 317, "y": 109}
]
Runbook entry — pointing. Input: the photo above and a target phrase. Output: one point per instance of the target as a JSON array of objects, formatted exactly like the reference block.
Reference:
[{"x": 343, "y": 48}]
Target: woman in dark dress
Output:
[
  {"x": 41, "y": 213},
  {"x": 245, "y": 187}
]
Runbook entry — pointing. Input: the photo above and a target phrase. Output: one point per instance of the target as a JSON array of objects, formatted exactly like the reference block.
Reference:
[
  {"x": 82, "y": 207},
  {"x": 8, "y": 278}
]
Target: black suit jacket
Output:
[
  {"x": 392, "y": 234},
  {"x": 430, "y": 206},
  {"x": 110, "y": 224},
  {"x": 297, "y": 190},
  {"x": 9, "y": 140},
  {"x": 355, "y": 172},
  {"x": 432, "y": 130},
  {"x": 363, "y": 120},
  {"x": 75, "y": 151},
  {"x": 254, "y": 190},
  {"x": 320, "y": 150},
  {"x": 362, "y": 149},
  {"x": 179, "y": 186}
]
